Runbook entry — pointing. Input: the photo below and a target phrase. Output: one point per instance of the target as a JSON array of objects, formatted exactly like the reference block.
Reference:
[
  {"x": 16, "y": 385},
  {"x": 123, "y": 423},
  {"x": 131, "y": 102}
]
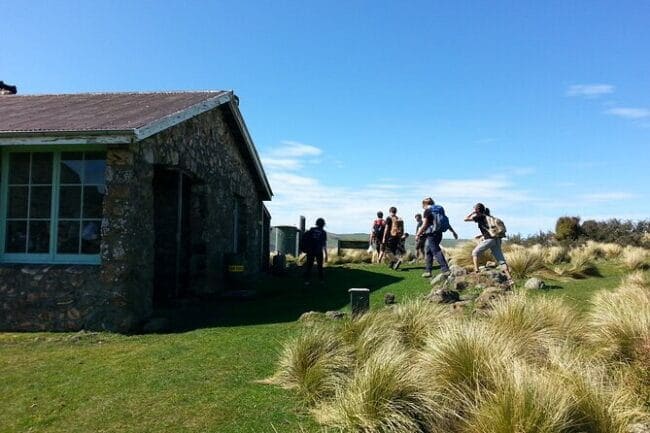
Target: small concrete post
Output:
[{"x": 359, "y": 300}]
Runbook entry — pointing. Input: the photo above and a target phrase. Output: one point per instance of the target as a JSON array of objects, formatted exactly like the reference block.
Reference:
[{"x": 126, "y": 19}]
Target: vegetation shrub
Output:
[
  {"x": 314, "y": 363},
  {"x": 384, "y": 396},
  {"x": 525, "y": 262},
  {"x": 634, "y": 258},
  {"x": 567, "y": 228},
  {"x": 619, "y": 323}
]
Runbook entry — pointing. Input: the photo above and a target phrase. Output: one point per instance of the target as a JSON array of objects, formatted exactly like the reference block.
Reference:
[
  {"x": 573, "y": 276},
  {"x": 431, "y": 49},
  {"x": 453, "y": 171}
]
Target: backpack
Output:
[
  {"x": 396, "y": 227},
  {"x": 440, "y": 223},
  {"x": 378, "y": 228},
  {"x": 311, "y": 241},
  {"x": 496, "y": 227}
]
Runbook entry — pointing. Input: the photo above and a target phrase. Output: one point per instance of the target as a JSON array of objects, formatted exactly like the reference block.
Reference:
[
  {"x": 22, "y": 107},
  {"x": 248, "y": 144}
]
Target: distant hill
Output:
[{"x": 410, "y": 241}]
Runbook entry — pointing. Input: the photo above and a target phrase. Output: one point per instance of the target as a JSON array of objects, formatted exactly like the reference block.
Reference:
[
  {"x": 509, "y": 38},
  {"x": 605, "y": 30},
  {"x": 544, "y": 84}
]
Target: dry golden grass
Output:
[{"x": 634, "y": 258}]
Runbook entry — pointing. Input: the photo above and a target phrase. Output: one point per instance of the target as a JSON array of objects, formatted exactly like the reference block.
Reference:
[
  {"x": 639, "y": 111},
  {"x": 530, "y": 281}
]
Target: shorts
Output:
[
  {"x": 379, "y": 245},
  {"x": 494, "y": 245},
  {"x": 393, "y": 245},
  {"x": 419, "y": 244}
]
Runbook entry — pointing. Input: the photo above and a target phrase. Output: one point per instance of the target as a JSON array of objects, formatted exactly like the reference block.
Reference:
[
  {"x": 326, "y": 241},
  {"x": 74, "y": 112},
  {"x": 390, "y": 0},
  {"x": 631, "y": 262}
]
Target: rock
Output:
[
  {"x": 491, "y": 265},
  {"x": 460, "y": 307},
  {"x": 389, "y": 298},
  {"x": 335, "y": 315},
  {"x": 156, "y": 324},
  {"x": 534, "y": 284},
  {"x": 443, "y": 296},
  {"x": 485, "y": 299},
  {"x": 439, "y": 279},
  {"x": 311, "y": 316},
  {"x": 458, "y": 285},
  {"x": 457, "y": 271}
]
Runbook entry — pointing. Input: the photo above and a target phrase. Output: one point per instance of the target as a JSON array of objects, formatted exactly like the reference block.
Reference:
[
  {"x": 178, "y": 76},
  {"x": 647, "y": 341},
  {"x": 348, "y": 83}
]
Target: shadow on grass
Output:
[{"x": 278, "y": 299}]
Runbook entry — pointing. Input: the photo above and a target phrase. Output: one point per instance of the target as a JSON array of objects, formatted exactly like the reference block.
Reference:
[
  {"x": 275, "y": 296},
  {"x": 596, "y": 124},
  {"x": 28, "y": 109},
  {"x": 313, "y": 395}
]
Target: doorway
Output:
[{"x": 172, "y": 234}]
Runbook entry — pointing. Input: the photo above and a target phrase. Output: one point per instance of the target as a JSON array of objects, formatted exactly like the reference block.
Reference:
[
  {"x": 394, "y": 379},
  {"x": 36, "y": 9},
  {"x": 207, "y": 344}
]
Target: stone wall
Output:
[{"x": 117, "y": 295}]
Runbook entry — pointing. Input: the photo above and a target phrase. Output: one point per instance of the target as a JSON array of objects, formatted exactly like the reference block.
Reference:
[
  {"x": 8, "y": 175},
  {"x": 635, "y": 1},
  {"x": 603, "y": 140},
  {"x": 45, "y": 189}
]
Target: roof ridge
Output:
[{"x": 165, "y": 92}]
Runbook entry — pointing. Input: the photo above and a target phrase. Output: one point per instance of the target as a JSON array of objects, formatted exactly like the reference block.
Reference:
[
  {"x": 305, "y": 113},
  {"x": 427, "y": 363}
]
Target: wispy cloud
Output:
[
  {"x": 602, "y": 197},
  {"x": 590, "y": 90},
  {"x": 295, "y": 149},
  {"x": 630, "y": 113}
]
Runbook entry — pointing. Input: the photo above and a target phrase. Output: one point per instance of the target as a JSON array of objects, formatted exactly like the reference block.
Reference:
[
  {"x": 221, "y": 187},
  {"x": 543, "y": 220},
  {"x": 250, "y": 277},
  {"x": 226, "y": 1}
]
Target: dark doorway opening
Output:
[{"x": 172, "y": 243}]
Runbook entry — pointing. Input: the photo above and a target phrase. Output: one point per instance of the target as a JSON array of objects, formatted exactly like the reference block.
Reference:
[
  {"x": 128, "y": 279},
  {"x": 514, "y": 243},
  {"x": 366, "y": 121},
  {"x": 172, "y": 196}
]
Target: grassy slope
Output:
[{"x": 198, "y": 380}]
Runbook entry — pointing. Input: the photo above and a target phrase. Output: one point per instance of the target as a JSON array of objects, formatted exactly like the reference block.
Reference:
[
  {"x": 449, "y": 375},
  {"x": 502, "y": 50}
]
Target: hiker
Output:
[
  {"x": 393, "y": 237},
  {"x": 490, "y": 237},
  {"x": 314, "y": 244},
  {"x": 377, "y": 235},
  {"x": 435, "y": 224},
  {"x": 419, "y": 241}
]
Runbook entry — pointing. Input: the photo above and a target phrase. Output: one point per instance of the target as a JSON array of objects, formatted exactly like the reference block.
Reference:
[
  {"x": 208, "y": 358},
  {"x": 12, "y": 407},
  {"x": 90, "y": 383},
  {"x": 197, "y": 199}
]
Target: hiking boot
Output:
[
  {"x": 397, "y": 263},
  {"x": 426, "y": 275}
]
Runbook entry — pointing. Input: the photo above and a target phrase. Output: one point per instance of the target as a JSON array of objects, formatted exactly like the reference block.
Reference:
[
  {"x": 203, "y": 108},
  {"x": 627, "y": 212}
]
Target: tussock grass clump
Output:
[
  {"x": 464, "y": 357},
  {"x": 598, "y": 404},
  {"x": 384, "y": 396},
  {"x": 638, "y": 279},
  {"x": 535, "y": 323},
  {"x": 634, "y": 258},
  {"x": 581, "y": 265},
  {"x": 524, "y": 401},
  {"x": 526, "y": 262},
  {"x": 619, "y": 323},
  {"x": 612, "y": 251},
  {"x": 417, "y": 320},
  {"x": 555, "y": 255},
  {"x": 314, "y": 363},
  {"x": 461, "y": 255}
]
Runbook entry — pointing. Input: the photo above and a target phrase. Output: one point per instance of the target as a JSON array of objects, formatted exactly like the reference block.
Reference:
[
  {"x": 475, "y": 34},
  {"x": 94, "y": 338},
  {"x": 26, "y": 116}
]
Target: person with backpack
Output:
[
  {"x": 393, "y": 236},
  {"x": 435, "y": 224},
  {"x": 492, "y": 231},
  {"x": 377, "y": 235},
  {"x": 314, "y": 245}
]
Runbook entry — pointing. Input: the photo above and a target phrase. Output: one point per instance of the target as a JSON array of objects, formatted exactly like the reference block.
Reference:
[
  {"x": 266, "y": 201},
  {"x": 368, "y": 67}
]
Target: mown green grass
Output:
[{"x": 202, "y": 379}]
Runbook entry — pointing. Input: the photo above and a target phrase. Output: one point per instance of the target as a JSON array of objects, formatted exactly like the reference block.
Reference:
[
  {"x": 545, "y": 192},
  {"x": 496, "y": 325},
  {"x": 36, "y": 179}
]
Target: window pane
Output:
[
  {"x": 16, "y": 238},
  {"x": 39, "y": 237},
  {"x": 93, "y": 199},
  {"x": 71, "y": 167},
  {"x": 40, "y": 202},
  {"x": 95, "y": 167},
  {"x": 68, "y": 239},
  {"x": 19, "y": 168},
  {"x": 42, "y": 168},
  {"x": 18, "y": 201},
  {"x": 90, "y": 237},
  {"x": 70, "y": 202}
]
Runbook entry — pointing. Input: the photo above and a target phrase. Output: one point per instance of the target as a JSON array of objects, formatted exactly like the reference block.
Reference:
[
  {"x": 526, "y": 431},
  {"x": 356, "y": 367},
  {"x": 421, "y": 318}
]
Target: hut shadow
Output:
[{"x": 278, "y": 299}]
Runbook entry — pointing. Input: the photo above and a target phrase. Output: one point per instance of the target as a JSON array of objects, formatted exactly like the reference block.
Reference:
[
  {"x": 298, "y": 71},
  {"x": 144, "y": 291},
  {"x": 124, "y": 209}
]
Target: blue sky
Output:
[{"x": 537, "y": 109}]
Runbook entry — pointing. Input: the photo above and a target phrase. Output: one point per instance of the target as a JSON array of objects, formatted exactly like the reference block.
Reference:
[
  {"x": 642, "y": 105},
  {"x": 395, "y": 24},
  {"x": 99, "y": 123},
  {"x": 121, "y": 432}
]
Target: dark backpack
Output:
[
  {"x": 378, "y": 228},
  {"x": 311, "y": 241},
  {"x": 440, "y": 223}
]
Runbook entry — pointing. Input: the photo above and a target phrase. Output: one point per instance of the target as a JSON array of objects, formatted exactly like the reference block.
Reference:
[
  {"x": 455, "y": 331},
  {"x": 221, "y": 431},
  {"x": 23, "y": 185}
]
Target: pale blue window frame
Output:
[{"x": 52, "y": 257}]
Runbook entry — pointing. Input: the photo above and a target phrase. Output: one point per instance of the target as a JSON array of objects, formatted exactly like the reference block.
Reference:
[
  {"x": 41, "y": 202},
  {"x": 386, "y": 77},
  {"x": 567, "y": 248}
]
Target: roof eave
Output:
[{"x": 20, "y": 138}]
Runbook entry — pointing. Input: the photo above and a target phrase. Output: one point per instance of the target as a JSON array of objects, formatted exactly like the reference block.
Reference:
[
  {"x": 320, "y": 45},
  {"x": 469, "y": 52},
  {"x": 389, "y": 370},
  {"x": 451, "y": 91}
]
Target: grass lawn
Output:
[{"x": 202, "y": 377}]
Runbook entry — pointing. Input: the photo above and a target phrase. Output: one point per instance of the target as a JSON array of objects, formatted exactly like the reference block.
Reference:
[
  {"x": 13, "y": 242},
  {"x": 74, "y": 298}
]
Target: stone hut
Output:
[{"x": 114, "y": 203}]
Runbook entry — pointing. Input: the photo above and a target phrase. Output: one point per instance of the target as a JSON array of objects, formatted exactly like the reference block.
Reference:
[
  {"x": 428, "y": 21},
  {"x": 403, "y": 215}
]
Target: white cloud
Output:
[
  {"x": 601, "y": 197},
  {"x": 590, "y": 90},
  {"x": 295, "y": 149},
  {"x": 630, "y": 113},
  {"x": 281, "y": 163}
]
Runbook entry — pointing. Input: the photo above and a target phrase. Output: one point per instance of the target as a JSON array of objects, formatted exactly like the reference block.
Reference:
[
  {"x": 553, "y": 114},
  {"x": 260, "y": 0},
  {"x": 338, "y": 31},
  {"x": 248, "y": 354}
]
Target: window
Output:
[{"x": 52, "y": 206}]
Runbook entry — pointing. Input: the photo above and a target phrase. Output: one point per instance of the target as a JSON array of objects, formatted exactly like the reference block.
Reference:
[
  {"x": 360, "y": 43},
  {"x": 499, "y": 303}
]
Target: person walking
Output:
[
  {"x": 393, "y": 235},
  {"x": 434, "y": 225},
  {"x": 315, "y": 246},
  {"x": 377, "y": 235},
  {"x": 480, "y": 215}
]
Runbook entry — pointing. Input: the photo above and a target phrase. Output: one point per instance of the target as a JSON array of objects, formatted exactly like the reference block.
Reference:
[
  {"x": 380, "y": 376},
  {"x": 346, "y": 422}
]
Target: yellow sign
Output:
[{"x": 236, "y": 268}]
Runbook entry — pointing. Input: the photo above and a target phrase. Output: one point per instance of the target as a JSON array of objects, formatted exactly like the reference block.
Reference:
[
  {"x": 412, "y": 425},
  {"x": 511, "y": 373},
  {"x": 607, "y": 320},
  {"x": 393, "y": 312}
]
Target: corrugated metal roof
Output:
[{"x": 93, "y": 112}]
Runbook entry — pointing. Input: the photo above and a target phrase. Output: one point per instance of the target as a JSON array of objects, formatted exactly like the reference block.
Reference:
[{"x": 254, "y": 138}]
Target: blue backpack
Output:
[{"x": 440, "y": 220}]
